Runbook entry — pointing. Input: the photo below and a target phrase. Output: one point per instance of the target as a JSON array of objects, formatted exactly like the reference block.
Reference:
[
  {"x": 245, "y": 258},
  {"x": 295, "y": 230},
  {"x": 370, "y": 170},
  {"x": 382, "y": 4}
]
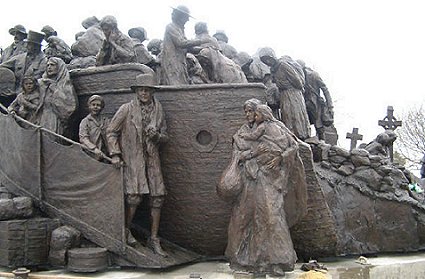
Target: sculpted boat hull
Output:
[{"x": 201, "y": 120}]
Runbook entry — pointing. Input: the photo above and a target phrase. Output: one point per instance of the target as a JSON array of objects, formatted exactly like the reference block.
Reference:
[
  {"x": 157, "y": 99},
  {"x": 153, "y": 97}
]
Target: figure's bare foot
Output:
[{"x": 155, "y": 245}]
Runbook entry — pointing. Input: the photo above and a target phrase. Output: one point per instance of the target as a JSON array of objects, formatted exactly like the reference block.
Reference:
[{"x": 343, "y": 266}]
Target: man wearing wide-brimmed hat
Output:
[
  {"x": 32, "y": 63},
  {"x": 175, "y": 47},
  {"x": 134, "y": 135},
  {"x": 18, "y": 46}
]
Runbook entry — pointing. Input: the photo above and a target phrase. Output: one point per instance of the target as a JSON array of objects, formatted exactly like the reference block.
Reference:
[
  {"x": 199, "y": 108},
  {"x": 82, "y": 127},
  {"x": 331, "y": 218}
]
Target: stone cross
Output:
[
  {"x": 389, "y": 122},
  {"x": 354, "y": 137}
]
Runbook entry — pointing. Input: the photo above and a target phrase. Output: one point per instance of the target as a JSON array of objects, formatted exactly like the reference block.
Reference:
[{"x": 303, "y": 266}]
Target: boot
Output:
[
  {"x": 155, "y": 245},
  {"x": 130, "y": 238}
]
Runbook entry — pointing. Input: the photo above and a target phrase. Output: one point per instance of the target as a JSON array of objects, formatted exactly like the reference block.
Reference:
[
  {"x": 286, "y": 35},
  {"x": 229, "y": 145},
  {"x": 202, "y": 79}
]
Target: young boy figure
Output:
[
  {"x": 134, "y": 135},
  {"x": 92, "y": 131},
  {"x": 26, "y": 103}
]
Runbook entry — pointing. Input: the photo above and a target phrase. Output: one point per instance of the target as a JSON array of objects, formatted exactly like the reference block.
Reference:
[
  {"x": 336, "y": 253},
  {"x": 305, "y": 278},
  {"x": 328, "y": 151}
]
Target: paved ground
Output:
[{"x": 403, "y": 266}]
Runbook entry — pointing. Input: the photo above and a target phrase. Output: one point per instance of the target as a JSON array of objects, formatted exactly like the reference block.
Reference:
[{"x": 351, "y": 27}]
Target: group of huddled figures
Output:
[
  {"x": 266, "y": 146},
  {"x": 296, "y": 93}
]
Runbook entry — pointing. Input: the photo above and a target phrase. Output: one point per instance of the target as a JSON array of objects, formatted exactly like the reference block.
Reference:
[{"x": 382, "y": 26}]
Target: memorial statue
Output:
[
  {"x": 134, "y": 135},
  {"x": 223, "y": 41},
  {"x": 91, "y": 41},
  {"x": 218, "y": 67},
  {"x": 26, "y": 103},
  {"x": 92, "y": 132},
  {"x": 117, "y": 47},
  {"x": 18, "y": 46},
  {"x": 31, "y": 63},
  {"x": 380, "y": 145},
  {"x": 56, "y": 46},
  {"x": 288, "y": 77},
  {"x": 58, "y": 100},
  {"x": 175, "y": 47},
  {"x": 319, "y": 110},
  {"x": 272, "y": 95},
  {"x": 155, "y": 47},
  {"x": 87, "y": 44},
  {"x": 197, "y": 75},
  {"x": 265, "y": 166},
  {"x": 138, "y": 35}
]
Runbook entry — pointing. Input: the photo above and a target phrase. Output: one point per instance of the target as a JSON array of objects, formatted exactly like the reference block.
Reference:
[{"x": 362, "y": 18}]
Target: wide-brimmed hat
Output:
[
  {"x": 183, "y": 9},
  {"x": 138, "y": 32},
  {"x": 34, "y": 37},
  {"x": 17, "y": 28},
  {"x": 145, "y": 80}
]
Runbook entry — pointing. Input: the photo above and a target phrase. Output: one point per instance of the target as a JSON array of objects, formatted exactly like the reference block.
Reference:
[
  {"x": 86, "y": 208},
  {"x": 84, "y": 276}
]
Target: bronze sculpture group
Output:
[{"x": 265, "y": 165}]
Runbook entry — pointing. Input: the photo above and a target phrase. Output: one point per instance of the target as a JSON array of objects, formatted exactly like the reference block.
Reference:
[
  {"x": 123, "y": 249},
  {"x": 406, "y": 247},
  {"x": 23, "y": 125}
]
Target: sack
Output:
[{"x": 230, "y": 184}]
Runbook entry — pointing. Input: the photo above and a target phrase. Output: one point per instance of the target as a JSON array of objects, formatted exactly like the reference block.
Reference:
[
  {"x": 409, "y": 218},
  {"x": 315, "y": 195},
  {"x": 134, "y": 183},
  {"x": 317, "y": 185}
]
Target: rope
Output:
[{"x": 51, "y": 132}]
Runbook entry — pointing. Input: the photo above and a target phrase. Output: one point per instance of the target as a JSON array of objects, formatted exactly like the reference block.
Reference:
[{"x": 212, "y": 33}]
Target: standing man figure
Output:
[
  {"x": 31, "y": 63},
  {"x": 320, "y": 112},
  {"x": 175, "y": 47},
  {"x": 289, "y": 78},
  {"x": 18, "y": 46},
  {"x": 134, "y": 135}
]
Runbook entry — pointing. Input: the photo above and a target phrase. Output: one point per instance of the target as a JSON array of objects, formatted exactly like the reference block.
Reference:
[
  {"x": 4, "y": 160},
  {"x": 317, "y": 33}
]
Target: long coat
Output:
[
  {"x": 126, "y": 136},
  {"x": 58, "y": 100},
  {"x": 258, "y": 234},
  {"x": 313, "y": 100},
  {"x": 23, "y": 65},
  {"x": 291, "y": 84},
  {"x": 13, "y": 50},
  {"x": 173, "y": 55}
]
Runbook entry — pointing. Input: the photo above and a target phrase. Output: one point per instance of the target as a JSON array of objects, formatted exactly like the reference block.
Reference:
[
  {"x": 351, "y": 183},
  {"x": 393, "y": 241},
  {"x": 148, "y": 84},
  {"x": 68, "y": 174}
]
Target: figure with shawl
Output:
[
  {"x": 268, "y": 172},
  {"x": 58, "y": 100}
]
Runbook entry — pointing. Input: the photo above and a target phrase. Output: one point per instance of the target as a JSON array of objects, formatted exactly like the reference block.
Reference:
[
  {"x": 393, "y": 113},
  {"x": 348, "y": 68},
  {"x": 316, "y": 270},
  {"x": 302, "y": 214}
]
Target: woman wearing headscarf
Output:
[
  {"x": 58, "y": 100},
  {"x": 268, "y": 170}
]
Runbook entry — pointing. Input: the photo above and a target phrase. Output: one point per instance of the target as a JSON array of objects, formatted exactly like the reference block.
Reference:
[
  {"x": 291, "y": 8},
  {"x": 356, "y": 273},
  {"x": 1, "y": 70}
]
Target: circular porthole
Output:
[
  {"x": 204, "y": 137},
  {"x": 204, "y": 140}
]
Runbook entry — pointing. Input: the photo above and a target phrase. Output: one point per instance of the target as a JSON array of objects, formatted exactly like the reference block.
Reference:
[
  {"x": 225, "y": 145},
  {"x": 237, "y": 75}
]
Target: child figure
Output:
[
  {"x": 26, "y": 103},
  {"x": 92, "y": 131}
]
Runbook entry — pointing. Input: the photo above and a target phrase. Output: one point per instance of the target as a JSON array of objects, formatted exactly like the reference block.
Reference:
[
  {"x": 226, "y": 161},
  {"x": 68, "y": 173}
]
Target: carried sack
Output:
[{"x": 230, "y": 184}]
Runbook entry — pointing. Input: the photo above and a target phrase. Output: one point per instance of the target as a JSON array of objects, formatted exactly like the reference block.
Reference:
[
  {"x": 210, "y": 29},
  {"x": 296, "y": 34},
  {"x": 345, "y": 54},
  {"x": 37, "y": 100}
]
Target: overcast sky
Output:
[{"x": 369, "y": 53}]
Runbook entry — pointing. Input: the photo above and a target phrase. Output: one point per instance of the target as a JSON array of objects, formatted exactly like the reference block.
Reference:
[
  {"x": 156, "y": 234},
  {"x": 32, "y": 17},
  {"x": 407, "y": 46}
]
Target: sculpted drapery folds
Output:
[
  {"x": 175, "y": 46},
  {"x": 269, "y": 169},
  {"x": 58, "y": 100},
  {"x": 289, "y": 78},
  {"x": 134, "y": 135}
]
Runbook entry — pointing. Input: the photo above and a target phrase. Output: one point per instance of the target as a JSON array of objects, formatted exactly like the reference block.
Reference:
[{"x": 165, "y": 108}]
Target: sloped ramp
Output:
[{"x": 68, "y": 184}]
